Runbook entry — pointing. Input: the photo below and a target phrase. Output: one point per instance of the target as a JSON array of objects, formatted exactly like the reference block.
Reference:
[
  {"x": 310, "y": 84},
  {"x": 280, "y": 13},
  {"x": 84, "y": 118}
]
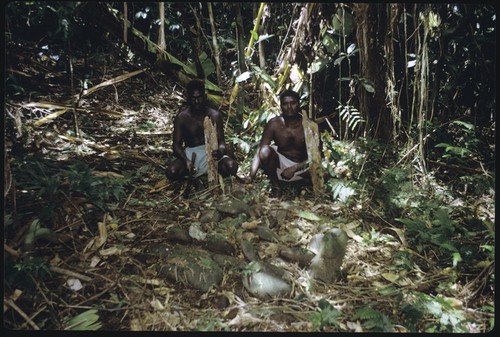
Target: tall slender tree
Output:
[
  {"x": 215, "y": 45},
  {"x": 371, "y": 22}
]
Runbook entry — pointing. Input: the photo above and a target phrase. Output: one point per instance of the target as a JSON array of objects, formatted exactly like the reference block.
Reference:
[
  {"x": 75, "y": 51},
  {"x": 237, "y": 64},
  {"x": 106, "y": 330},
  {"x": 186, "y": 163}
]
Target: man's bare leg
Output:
[{"x": 270, "y": 162}]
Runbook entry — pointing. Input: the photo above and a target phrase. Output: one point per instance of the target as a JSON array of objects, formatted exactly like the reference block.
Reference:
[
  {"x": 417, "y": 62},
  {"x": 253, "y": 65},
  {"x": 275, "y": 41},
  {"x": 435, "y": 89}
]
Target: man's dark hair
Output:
[
  {"x": 194, "y": 85},
  {"x": 290, "y": 93}
]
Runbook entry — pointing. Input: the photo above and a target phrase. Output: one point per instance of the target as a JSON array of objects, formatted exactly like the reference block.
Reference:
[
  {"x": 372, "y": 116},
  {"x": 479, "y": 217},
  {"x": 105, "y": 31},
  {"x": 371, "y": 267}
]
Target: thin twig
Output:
[
  {"x": 70, "y": 273},
  {"x": 28, "y": 320}
]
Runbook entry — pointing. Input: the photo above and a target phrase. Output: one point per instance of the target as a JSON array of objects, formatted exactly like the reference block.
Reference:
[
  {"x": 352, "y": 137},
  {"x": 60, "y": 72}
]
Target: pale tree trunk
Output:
[
  {"x": 311, "y": 133},
  {"x": 194, "y": 39},
  {"x": 216, "y": 53},
  {"x": 241, "y": 57},
  {"x": 161, "y": 35},
  {"x": 239, "y": 37},
  {"x": 211, "y": 144},
  {"x": 421, "y": 108},
  {"x": 125, "y": 22},
  {"x": 262, "y": 31},
  {"x": 394, "y": 14},
  {"x": 297, "y": 42},
  {"x": 263, "y": 13}
]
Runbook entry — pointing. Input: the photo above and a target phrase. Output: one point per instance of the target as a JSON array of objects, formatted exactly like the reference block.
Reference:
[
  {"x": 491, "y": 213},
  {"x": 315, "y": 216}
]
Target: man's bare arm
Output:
[{"x": 177, "y": 139}]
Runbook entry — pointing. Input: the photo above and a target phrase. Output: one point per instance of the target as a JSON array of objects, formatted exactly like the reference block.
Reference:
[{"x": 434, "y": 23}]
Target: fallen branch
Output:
[
  {"x": 109, "y": 82},
  {"x": 61, "y": 109},
  {"x": 70, "y": 273},
  {"x": 28, "y": 320}
]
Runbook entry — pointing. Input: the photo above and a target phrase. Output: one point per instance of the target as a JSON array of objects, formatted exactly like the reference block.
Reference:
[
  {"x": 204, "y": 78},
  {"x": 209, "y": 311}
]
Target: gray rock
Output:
[
  {"x": 191, "y": 268},
  {"x": 178, "y": 234},
  {"x": 249, "y": 250},
  {"x": 278, "y": 217},
  {"x": 196, "y": 232},
  {"x": 217, "y": 243},
  {"x": 232, "y": 206},
  {"x": 265, "y": 281},
  {"x": 266, "y": 234},
  {"x": 300, "y": 255},
  {"x": 210, "y": 216},
  {"x": 160, "y": 249},
  {"x": 330, "y": 249},
  {"x": 227, "y": 261}
]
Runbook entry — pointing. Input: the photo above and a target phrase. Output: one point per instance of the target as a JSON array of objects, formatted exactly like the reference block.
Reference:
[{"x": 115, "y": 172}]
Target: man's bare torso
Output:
[
  {"x": 289, "y": 138},
  {"x": 191, "y": 126}
]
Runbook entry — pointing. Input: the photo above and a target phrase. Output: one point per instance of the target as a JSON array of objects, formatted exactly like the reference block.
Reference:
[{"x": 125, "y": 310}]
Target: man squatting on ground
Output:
[
  {"x": 286, "y": 159},
  {"x": 189, "y": 132}
]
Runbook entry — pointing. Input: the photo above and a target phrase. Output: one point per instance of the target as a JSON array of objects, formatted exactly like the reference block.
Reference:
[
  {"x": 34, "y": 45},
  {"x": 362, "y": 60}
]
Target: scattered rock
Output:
[
  {"x": 265, "y": 281},
  {"x": 300, "y": 255},
  {"x": 191, "y": 268},
  {"x": 218, "y": 243},
  {"x": 232, "y": 206},
  {"x": 330, "y": 249},
  {"x": 226, "y": 261},
  {"x": 159, "y": 249},
  {"x": 277, "y": 216},
  {"x": 210, "y": 216},
  {"x": 178, "y": 234},
  {"x": 196, "y": 232},
  {"x": 266, "y": 234},
  {"x": 249, "y": 250}
]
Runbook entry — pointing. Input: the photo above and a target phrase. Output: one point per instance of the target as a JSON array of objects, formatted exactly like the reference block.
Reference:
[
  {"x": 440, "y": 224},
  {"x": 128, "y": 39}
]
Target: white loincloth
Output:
[
  {"x": 285, "y": 163},
  {"x": 200, "y": 163}
]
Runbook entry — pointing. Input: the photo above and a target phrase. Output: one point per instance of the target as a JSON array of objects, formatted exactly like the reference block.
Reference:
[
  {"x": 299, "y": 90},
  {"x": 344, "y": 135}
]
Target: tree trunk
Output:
[
  {"x": 241, "y": 58},
  {"x": 313, "y": 152},
  {"x": 298, "y": 40},
  {"x": 371, "y": 27},
  {"x": 262, "y": 30},
  {"x": 421, "y": 88},
  {"x": 193, "y": 34},
  {"x": 125, "y": 22},
  {"x": 211, "y": 144},
  {"x": 215, "y": 45},
  {"x": 394, "y": 13},
  {"x": 161, "y": 35},
  {"x": 240, "y": 37}
]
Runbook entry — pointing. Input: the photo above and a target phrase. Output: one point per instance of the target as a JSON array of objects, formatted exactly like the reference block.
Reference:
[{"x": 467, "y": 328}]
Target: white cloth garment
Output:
[
  {"x": 285, "y": 163},
  {"x": 200, "y": 163}
]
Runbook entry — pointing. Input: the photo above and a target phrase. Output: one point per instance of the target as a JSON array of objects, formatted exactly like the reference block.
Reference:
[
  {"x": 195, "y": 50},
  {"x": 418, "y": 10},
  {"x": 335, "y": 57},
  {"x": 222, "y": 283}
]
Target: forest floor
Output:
[{"x": 125, "y": 132}]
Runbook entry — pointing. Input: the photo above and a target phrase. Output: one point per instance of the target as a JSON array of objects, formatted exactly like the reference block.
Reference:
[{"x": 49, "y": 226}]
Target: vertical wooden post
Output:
[
  {"x": 211, "y": 143},
  {"x": 313, "y": 152}
]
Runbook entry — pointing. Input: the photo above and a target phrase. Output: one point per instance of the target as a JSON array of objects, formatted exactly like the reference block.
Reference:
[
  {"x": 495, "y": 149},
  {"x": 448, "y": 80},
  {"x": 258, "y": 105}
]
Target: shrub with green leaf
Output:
[
  {"x": 441, "y": 315},
  {"x": 86, "y": 321},
  {"x": 327, "y": 315},
  {"x": 373, "y": 320}
]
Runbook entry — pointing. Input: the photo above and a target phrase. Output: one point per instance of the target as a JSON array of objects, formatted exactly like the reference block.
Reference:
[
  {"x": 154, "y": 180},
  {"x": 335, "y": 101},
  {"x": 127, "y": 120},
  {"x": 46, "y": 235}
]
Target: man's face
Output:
[
  {"x": 197, "y": 100},
  {"x": 290, "y": 106}
]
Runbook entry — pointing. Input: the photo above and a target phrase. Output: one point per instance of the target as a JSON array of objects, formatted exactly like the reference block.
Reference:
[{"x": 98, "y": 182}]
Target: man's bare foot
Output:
[{"x": 276, "y": 192}]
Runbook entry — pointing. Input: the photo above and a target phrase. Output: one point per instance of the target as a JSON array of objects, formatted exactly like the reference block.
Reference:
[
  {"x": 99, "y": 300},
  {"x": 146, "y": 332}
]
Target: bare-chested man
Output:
[
  {"x": 287, "y": 158},
  {"x": 189, "y": 137}
]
